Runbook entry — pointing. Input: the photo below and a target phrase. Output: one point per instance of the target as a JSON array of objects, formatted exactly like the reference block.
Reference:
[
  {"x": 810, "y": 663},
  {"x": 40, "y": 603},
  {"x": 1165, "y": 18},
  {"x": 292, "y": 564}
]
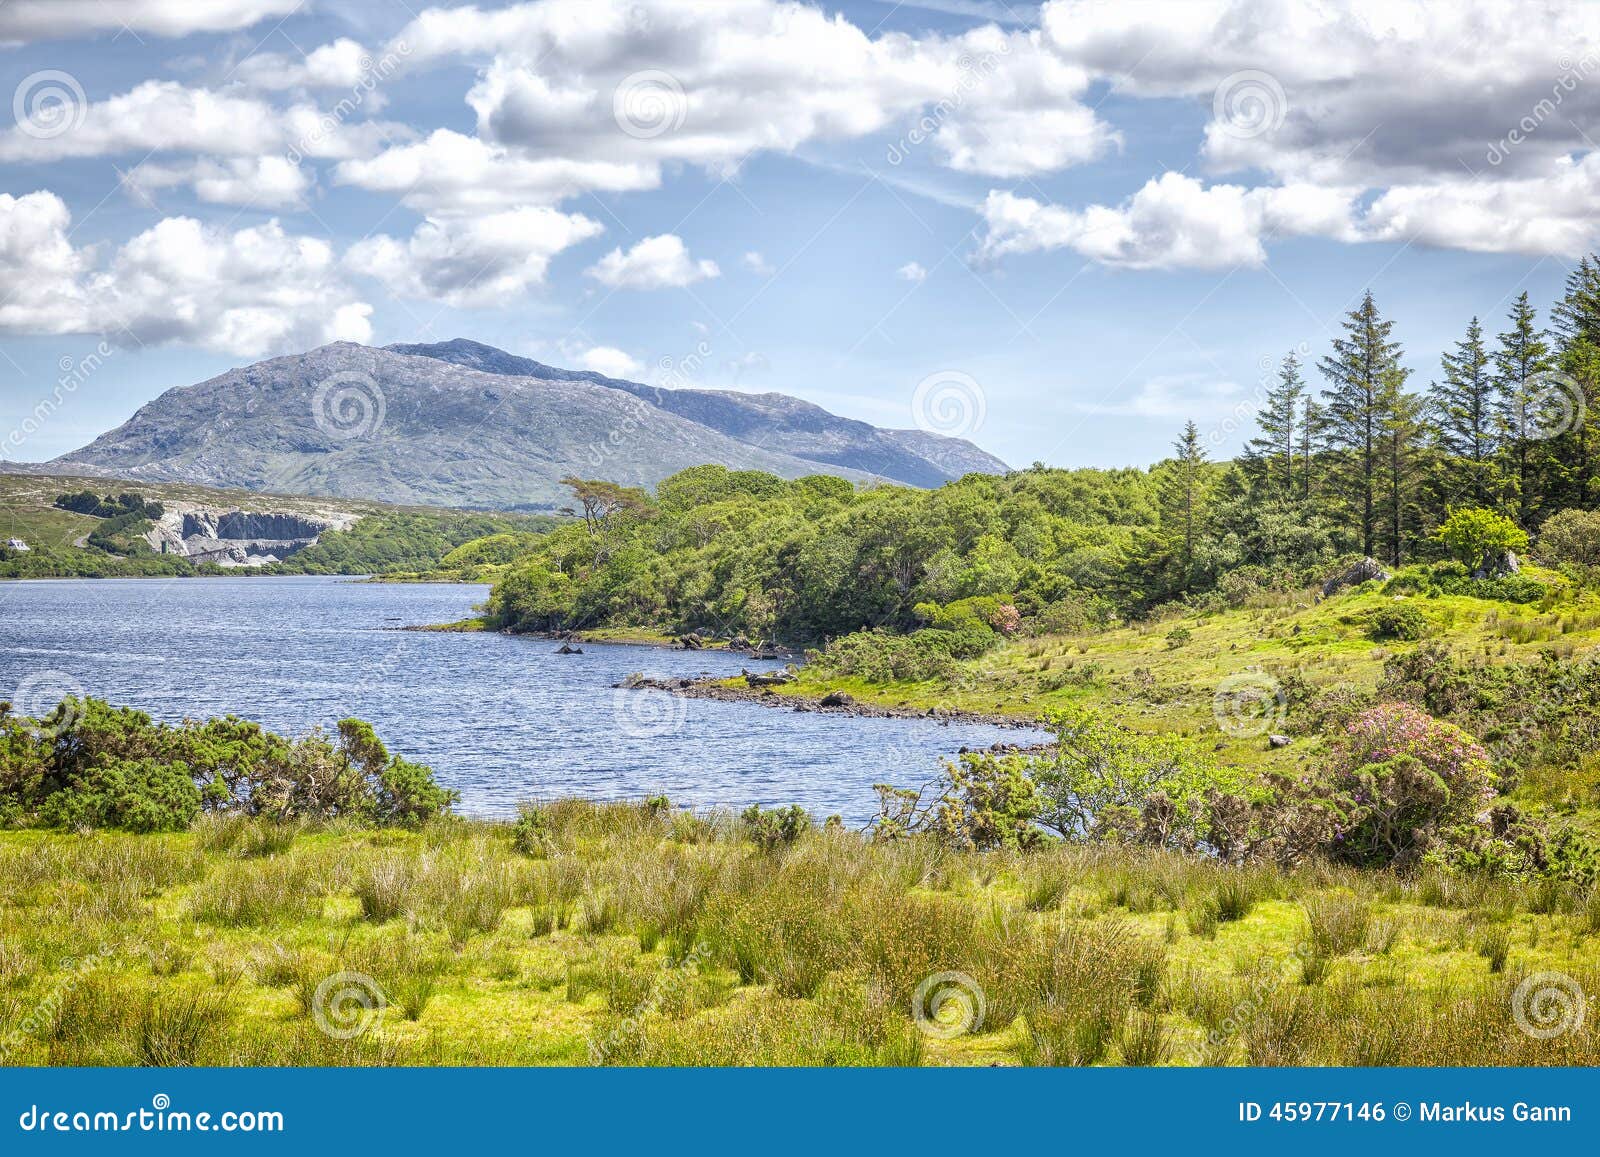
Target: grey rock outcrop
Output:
[{"x": 1367, "y": 570}]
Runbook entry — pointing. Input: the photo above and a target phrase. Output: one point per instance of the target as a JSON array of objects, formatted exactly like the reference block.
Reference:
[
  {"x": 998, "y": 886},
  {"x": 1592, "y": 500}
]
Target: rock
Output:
[
  {"x": 691, "y": 642},
  {"x": 1498, "y": 564},
  {"x": 1364, "y": 571},
  {"x": 837, "y": 699},
  {"x": 738, "y": 643},
  {"x": 1279, "y": 740},
  {"x": 769, "y": 678},
  {"x": 568, "y": 649}
]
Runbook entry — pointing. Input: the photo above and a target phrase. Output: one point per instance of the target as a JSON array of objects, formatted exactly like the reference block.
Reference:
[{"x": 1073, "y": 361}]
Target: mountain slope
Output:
[
  {"x": 771, "y": 420},
  {"x": 477, "y": 428}
]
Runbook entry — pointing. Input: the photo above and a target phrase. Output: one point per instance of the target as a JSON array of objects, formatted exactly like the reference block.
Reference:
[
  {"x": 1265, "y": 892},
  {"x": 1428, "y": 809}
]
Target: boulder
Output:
[
  {"x": 769, "y": 678},
  {"x": 691, "y": 642},
  {"x": 1498, "y": 564},
  {"x": 836, "y": 699},
  {"x": 1364, "y": 571},
  {"x": 1278, "y": 741},
  {"x": 568, "y": 649}
]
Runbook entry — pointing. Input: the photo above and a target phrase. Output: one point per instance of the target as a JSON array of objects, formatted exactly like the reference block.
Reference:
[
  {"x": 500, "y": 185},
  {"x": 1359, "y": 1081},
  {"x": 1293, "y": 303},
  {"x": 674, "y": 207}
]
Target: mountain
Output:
[{"x": 464, "y": 424}]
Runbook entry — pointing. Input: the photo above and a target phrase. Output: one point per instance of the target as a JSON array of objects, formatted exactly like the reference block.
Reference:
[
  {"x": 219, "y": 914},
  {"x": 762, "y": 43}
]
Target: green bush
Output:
[
  {"x": 1474, "y": 536},
  {"x": 1397, "y": 622},
  {"x": 1571, "y": 540}
]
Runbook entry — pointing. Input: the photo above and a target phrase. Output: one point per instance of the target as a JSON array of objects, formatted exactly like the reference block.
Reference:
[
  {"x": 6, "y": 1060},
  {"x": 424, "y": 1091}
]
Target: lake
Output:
[{"x": 502, "y": 719}]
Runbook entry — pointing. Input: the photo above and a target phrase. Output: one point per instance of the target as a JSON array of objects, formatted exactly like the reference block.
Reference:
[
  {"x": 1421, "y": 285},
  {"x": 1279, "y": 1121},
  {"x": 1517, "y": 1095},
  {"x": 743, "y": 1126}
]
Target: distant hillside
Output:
[{"x": 466, "y": 425}]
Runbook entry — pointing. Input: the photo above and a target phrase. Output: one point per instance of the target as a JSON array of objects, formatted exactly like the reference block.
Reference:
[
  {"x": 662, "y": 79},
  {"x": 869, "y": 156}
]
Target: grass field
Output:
[{"x": 640, "y": 935}]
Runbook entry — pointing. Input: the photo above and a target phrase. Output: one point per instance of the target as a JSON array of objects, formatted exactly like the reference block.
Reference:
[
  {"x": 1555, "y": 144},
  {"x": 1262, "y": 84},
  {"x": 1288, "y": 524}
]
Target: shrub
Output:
[
  {"x": 1571, "y": 540},
  {"x": 777, "y": 828},
  {"x": 1476, "y": 537},
  {"x": 1397, "y": 622}
]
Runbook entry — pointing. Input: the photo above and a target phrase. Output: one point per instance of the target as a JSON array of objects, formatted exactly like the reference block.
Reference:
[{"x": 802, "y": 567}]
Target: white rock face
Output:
[{"x": 237, "y": 537}]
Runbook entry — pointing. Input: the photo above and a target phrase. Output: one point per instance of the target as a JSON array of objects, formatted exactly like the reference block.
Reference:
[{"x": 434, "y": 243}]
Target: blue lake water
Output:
[{"x": 502, "y": 719}]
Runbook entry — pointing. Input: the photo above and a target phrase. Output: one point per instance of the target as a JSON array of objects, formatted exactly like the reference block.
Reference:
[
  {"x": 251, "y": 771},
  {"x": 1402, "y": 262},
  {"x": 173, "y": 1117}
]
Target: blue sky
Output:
[{"x": 1118, "y": 217}]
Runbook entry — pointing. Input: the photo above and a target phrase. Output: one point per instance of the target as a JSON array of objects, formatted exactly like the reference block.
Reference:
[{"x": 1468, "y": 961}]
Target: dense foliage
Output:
[
  {"x": 409, "y": 541},
  {"x": 87, "y": 764}
]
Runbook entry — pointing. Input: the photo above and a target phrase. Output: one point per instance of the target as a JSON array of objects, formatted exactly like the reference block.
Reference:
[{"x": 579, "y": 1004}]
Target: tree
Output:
[
  {"x": 1576, "y": 322},
  {"x": 1182, "y": 496},
  {"x": 1477, "y": 537},
  {"x": 1364, "y": 375},
  {"x": 1523, "y": 355},
  {"x": 1401, "y": 460},
  {"x": 1464, "y": 408},
  {"x": 603, "y": 502},
  {"x": 1274, "y": 448}
]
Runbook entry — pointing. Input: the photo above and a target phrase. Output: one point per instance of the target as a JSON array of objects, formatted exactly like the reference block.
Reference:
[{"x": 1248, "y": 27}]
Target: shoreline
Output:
[{"x": 724, "y": 691}]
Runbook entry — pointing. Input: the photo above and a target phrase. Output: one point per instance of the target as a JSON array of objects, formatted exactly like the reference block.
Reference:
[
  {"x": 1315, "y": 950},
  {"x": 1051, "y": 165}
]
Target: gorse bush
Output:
[{"x": 90, "y": 765}]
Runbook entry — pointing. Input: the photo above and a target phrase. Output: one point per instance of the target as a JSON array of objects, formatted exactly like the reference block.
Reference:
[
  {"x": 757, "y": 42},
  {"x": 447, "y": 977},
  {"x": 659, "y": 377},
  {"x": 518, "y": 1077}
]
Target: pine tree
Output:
[
  {"x": 1182, "y": 497},
  {"x": 1363, "y": 371},
  {"x": 1311, "y": 437},
  {"x": 1465, "y": 410},
  {"x": 1576, "y": 321},
  {"x": 1402, "y": 439},
  {"x": 1523, "y": 355},
  {"x": 1271, "y": 454}
]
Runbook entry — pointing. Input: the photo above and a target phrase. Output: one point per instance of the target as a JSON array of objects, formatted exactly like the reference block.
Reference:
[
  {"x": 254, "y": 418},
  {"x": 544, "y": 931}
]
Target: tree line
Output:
[{"x": 1374, "y": 466}]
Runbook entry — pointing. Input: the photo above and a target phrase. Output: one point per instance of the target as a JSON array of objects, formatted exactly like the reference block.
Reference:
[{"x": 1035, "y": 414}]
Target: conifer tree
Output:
[
  {"x": 1272, "y": 453},
  {"x": 1464, "y": 405},
  {"x": 1364, "y": 373},
  {"x": 1524, "y": 354}
]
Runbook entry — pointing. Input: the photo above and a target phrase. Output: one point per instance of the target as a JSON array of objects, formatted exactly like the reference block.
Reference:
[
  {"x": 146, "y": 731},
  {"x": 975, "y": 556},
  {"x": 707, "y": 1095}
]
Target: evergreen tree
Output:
[
  {"x": 1576, "y": 321},
  {"x": 1311, "y": 436},
  {"x": 1524, "y": 354},
  {"x": 1272, "y": 453},
  {"x": 1465, "y": 409},
  {"x": 1402, "y": 439},
  {"x": 1363, "y": 374},
  {"x": 1182, "y": 496}
]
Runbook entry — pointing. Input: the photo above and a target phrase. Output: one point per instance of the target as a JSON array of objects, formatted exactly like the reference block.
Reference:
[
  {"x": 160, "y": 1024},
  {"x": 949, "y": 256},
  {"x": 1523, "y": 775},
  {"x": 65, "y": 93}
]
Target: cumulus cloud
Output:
[
  {"x": 652, "y": 82},
  {"x": 655, "y": 263},
  {"x": 270, "y": 182},
  {"x": 451, "y": 172},
  {"x": 912, "y": 271},
  {"x": 56, "y": 19},
  {"x": 758, "y": 264},
  {"x": 1172, "y": 222},
  {"x": 249, "y": 292},
  {"x": 342, "y": 63},
  {"x": 471, "y": 261},
  {"x": 613, "y": 363}
]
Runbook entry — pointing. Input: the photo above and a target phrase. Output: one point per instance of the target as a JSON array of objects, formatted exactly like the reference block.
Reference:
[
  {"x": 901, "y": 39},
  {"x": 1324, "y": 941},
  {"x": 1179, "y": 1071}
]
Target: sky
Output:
[{"x": 1059, "y": 230}]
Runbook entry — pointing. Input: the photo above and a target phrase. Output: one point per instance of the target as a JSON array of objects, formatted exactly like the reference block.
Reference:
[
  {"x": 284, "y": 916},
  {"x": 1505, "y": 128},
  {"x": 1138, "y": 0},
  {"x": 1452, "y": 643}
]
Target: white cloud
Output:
[
  {"x": 1172, "y": 222},
  {"x": 165, "y": 116},
  {"x": 757, "y": 264},
  {"x": 57, "y": 19},
  {"x": 342, "y": 63},
  {"x": 912, "y": 271},
  {"x": 449, "y": 172},
  {"x": 250, "y": 292},
  {"x": 655, "y": 263},
  {"x": 270, "y": 182},
  {"x": 658, "y": 81},
  {"x": 471, "y": 261},
  {"x": 613, "y": 363}
]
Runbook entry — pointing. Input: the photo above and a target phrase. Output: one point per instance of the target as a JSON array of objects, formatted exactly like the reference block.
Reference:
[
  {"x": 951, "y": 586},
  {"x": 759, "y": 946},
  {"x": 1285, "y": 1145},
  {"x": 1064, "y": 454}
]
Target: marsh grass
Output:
[{"x": 691, "y": 945}]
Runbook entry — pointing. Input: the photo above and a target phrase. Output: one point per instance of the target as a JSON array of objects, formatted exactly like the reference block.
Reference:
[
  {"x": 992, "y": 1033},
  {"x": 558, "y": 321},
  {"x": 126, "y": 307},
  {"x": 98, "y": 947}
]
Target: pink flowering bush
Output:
[{"x": 1402, "y": 782}]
